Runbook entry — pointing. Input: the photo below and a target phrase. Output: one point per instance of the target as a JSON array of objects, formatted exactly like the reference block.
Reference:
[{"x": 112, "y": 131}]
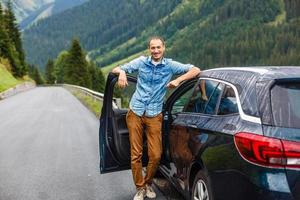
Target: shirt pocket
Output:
[
  {"x": 161, "y": 76},
  {"x": 145, "y": 74}
]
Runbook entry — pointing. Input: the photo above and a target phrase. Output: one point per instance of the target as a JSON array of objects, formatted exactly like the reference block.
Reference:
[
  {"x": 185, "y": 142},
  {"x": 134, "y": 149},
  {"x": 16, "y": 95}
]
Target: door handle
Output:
[
  {"x": 193, "y": 126},
  {"x": 229, "y": 127}
]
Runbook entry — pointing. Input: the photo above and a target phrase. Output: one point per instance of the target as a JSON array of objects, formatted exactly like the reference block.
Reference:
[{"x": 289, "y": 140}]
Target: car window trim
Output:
[
  {"x": 207, "y": 115},
  {"x": 242, "y": 114},
  {"x": 209, "y": 99}
]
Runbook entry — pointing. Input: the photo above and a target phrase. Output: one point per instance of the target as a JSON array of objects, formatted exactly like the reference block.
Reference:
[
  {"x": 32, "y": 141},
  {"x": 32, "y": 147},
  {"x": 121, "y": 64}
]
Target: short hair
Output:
[{"x": 156, "y": 38}]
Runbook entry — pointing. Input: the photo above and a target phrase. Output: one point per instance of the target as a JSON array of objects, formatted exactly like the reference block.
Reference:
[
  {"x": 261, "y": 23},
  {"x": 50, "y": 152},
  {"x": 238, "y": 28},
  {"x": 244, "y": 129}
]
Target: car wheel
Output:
[{"x": 201, "y": 189}]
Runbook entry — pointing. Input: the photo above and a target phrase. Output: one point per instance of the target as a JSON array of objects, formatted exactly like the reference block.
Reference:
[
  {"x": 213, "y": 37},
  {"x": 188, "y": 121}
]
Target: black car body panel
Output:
[
  {"x": 200, "y": 136},
  {"x": 113, "y": 133}
]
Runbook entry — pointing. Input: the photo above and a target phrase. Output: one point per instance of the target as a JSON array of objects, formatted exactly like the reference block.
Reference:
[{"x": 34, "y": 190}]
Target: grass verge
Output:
[
  {"x": 6, "y": 79},
  {"x": 92, "y": 104}
]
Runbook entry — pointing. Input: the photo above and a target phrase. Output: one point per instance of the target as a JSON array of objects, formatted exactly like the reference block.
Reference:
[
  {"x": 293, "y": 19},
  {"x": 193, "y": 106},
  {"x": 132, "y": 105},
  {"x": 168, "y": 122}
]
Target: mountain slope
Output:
[
  {"x": 242, "y": 33},
  {"x": 30, "y": 11},
  {"x": 23, "y": 8},
  {"x": 207, "y": 33},
  {"x": 215, "y": 33},
  {"x": 35, "y": 15},
  {"x": 96, "y": 23},
  {"x": 48, "y": 10}
]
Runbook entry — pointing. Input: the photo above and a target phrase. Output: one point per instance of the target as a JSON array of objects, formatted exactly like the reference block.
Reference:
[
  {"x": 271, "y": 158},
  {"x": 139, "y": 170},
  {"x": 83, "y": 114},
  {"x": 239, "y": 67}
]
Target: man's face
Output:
[{"x": 157, "y": 49}]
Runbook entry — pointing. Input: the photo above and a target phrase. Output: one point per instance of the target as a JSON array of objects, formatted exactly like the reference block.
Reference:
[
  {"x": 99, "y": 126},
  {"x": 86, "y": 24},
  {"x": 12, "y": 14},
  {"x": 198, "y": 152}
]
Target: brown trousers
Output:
[{"x": 136, "y": 125}]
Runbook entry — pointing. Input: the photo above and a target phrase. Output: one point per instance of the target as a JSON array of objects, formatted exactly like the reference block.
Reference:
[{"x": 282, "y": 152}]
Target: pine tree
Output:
[
  {"x": 77, "y": 67},
  {"x": 101, "y": 81},
  {"x": 19, "y": 66},
  {"x": 35, "y": 74},
  {"x": 1, "y": 13},
  {"x": 49, "y": 72},
  {"x": 97, "y": 77},
  {"x": 4, "y": 41},
  {"x": 60, "y": 66},
  {"x": 92, "y": 72}
]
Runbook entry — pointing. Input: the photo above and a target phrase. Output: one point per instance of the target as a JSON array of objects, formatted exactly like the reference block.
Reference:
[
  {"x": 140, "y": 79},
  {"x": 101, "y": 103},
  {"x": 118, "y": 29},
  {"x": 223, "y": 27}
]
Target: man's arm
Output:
[
  {"x": 130, "y": 67},
  {"x": 122, "y": 80},
  {"x": 193, "y": 72}
]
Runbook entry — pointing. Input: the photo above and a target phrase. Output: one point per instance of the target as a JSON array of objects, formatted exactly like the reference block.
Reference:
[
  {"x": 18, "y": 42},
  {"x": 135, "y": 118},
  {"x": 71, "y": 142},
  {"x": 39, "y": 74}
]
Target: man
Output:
[{"x": 154, "y": 75}]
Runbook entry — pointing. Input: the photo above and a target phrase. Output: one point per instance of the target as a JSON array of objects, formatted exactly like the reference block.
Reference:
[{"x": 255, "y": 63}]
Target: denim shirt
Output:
[{"x": 151, "y": 83}]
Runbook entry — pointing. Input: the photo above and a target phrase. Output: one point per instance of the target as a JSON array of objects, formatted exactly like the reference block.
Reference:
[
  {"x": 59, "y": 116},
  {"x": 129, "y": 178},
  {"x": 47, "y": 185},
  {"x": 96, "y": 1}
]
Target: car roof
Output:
[
  {"x": 246, "y": 78},
  {"x": 260, "y": 73}
]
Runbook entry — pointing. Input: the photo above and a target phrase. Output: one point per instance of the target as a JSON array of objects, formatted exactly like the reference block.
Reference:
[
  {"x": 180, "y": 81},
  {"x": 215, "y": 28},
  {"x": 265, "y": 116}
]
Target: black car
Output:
[{"x": 231, "y": 133}]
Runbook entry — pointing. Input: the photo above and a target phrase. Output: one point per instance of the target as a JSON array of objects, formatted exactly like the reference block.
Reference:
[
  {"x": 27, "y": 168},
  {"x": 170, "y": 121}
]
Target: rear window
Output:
[{"x": 285, "y": 101}]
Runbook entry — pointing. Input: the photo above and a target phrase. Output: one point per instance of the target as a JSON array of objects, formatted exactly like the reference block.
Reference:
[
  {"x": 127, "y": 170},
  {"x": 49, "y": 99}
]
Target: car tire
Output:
[
  {"x": 158, "y": 174},
  {"x": 201, "y": 189}
]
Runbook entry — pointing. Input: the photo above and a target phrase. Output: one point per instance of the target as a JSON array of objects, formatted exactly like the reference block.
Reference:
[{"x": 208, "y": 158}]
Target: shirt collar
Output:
[{"x": 163, "y": 61}]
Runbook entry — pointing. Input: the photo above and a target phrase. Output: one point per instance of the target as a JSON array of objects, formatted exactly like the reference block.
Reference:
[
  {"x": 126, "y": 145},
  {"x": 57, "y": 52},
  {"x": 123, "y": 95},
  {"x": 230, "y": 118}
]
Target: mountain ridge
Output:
[
  {"x": 28, "y": 12},
  {"x": 97, "y": 22},
  {"x": 211, "y": 32}
]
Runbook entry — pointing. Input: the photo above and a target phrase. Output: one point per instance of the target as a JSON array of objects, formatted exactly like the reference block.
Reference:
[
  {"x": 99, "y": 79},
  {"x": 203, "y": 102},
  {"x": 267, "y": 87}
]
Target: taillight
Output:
[
  {"x": 292, "y": 153},
  {"x": 267, "y": 151}
]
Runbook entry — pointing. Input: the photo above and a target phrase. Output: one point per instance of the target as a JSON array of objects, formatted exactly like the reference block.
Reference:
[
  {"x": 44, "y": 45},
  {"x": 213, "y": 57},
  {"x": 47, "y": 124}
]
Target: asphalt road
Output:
[{"x": 49, "y": 150}]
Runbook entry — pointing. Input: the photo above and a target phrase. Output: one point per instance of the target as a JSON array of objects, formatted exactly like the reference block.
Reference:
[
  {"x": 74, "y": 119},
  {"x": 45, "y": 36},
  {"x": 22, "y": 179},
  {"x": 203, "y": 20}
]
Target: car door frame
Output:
[{"x": 109, "y": 161}]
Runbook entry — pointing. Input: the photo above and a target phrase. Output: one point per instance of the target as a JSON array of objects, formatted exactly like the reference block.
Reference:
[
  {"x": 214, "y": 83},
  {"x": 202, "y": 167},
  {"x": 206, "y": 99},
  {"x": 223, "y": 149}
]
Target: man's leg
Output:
[
  {"x": 135, "y": 128},
  {"x": 154, "y": 143}
]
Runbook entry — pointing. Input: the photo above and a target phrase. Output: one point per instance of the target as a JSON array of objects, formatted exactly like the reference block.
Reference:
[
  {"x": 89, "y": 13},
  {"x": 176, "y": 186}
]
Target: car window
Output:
[
  {"x": 228, "y": 103},
  {"x": 285, "y": 102},
  {"x": 121, "y": 97},
  {"x": 205, "y": 97},
  {"x": 180, "y": 103}
]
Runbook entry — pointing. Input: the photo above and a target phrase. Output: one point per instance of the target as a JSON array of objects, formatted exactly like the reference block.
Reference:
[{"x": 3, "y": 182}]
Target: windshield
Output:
[{"x": 285, "y": 101}]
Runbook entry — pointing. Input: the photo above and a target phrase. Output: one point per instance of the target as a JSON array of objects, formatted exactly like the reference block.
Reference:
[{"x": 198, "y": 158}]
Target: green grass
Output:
[
  {"x": 115, "y": 51},
  {"x": 6, "y": 79},
  {"x": 93, "y": 105},
  {"x": 281, "y": 18}
]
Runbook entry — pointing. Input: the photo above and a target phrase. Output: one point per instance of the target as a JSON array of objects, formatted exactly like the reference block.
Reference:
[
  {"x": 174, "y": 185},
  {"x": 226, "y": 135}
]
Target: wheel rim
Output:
[{"x": 200, "y": 191}]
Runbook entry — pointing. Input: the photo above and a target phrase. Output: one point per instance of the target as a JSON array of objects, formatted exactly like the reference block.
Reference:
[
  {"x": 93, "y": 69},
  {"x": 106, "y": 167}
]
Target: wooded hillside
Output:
[{"x": 207, "y": 33}]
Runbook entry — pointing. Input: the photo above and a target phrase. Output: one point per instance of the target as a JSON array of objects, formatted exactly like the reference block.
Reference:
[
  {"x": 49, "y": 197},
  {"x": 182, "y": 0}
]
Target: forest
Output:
[
  {"x": 11, "y": 48},
  {"x": 207, "y": 33},
  {"x": 71, "y": 66}
]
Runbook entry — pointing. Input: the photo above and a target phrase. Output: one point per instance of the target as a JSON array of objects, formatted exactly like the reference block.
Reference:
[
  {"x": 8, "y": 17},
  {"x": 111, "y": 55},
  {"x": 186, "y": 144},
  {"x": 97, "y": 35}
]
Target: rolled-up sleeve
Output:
[
  {"x": 179, "y": 68},
  {"x": 132, "y": 66}
]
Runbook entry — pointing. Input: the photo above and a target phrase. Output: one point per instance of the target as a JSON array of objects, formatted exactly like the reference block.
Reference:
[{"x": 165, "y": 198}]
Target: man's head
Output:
[{"x": 156, "y": 47}]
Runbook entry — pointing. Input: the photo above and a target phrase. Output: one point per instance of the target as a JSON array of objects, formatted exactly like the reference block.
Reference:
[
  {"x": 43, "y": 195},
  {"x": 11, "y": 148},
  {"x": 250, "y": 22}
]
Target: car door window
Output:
[
  {"x": 121, "y": 97},
  {"x": 180, "y": 103},
  {"x": 205, "y": 97},
  {"x": 228, "y": 103}
]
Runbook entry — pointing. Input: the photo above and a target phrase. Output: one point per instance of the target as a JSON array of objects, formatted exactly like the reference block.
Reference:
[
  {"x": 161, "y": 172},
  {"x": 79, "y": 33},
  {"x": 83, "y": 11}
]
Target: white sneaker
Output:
[
  {"x": 140, "y": 194},
  {"x": 150, "y": 192}
]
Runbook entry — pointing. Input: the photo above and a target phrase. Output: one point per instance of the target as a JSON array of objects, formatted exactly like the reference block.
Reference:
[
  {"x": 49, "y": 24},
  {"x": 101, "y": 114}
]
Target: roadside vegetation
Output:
[
  {"x": 72, "y": 67},
  {"x": 7, "y": 80},
  {"x": 206, "y": 33},
  {"x": 13, "y": 68},
  {"x": 11, "y": 47},
  {"x": 108, "y": 68},
  {"x": 95, "y": 106}
]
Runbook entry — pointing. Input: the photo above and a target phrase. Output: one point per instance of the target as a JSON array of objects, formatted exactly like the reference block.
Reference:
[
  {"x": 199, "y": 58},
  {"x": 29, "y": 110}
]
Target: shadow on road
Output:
[{"x": 167, "y": 189}]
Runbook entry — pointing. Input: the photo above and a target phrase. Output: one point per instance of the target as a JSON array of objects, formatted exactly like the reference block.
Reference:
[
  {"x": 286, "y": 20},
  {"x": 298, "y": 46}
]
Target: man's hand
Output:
[
  {"x": 204, "y": 97},
  {"x": 122, "y": 81},
  {"x": 193, "y": 72},
  {"x": 173, "y": 83}
]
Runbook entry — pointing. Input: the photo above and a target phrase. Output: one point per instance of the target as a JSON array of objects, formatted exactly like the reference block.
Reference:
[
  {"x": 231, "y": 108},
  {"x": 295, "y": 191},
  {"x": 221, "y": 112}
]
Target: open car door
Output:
[{"x": 113, "y": 133}]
